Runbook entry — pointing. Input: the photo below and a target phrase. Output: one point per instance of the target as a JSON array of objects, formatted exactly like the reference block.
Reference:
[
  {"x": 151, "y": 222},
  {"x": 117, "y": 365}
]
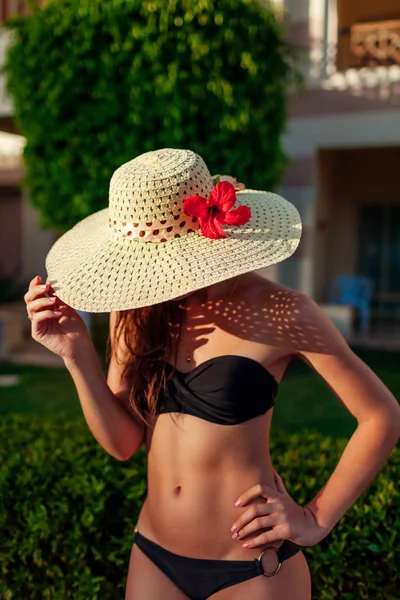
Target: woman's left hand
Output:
[{"x": 280, "y": 514}]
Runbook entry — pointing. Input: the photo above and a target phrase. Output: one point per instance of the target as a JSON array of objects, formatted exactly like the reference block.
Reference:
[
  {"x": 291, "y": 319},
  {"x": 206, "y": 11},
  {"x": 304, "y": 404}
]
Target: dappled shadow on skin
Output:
[{"x": 272, "y": 317}]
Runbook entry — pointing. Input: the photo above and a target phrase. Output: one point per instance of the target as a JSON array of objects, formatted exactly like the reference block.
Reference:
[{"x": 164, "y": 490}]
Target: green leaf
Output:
[{"x": 96, "y": 83}]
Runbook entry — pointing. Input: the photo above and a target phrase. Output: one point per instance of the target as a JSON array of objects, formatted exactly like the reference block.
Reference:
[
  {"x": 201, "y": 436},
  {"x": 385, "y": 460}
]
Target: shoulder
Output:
[
  {"x": 299, "y": 321},
  {"x": 270, "y": 294},
  {"x": 296, "y": 324}
]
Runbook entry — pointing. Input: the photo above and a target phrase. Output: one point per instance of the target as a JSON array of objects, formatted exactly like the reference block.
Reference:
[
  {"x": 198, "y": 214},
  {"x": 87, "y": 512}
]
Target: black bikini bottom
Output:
[{"x": 199, "y": 578}]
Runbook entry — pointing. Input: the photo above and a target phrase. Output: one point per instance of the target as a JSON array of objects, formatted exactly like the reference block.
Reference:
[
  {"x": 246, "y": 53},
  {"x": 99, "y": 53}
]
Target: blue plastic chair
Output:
[{"x": 354, "y": 290}]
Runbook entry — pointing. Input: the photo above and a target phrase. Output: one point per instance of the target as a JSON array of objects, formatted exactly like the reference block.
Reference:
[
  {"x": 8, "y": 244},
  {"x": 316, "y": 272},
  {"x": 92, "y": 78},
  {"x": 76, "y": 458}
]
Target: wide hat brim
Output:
[{"x": 92, "y": 269}]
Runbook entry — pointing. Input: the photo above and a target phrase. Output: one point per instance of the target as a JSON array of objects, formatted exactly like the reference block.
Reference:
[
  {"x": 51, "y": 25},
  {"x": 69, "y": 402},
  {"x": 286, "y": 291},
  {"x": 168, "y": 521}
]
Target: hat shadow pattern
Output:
[
  {"x": 143, "y": 249},
  {"x": 275, "y": 323}
]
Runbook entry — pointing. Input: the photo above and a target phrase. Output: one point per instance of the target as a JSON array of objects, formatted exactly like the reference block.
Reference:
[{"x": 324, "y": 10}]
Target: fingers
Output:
[
  {"x": 255, "y": 525},
  {"x": 253, "y": 513},
  {"x": 45, "y": 314},
  {"x": 35, "y": 290},
  {"x": 36, "y": 301},
  {"x": 35, "y": 281},
  {"x": 42, "y": 302},
  {"x": 265, "y": 538},
  {"x": 257, "y": 491}
]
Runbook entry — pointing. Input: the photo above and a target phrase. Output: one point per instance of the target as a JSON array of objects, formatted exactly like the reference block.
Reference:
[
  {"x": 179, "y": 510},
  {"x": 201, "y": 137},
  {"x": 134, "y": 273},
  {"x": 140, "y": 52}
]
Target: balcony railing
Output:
[
  {"x": 375, "y": 44},
  {"x": 362, "y": 75}
]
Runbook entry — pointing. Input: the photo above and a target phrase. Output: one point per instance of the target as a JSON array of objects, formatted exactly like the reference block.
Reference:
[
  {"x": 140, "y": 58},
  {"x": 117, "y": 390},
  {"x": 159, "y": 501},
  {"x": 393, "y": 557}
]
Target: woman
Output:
[{"x": 199, "y": 345}]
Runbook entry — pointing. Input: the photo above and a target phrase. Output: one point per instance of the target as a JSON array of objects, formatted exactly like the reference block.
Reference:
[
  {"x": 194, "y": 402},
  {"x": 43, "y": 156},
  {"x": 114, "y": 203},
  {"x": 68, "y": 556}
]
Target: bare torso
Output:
[{"x": 197, "y": 469}]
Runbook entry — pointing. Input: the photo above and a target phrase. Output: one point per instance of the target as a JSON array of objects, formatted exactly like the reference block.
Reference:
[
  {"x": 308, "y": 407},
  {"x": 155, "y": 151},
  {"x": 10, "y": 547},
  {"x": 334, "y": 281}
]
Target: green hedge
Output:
[
  {"x": 68, "y": 511},
  {"x": 96, "y": 83}
]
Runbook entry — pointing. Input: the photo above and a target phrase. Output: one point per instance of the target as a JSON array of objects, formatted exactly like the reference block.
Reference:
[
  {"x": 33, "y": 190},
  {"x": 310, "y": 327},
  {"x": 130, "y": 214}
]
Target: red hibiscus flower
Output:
[{"x": 212, "y": 212}]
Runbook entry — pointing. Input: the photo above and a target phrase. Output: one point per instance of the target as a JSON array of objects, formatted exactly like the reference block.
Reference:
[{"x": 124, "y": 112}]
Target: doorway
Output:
[{"x": 378, "y": 258}]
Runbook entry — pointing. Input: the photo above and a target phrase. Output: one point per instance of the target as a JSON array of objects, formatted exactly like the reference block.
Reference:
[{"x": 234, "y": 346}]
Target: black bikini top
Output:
[{"x": 226, "y": 389}]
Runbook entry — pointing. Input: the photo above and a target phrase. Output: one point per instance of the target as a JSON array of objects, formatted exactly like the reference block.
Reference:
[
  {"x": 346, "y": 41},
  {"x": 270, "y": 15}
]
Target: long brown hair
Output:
[{"x": 149, "y": 333}]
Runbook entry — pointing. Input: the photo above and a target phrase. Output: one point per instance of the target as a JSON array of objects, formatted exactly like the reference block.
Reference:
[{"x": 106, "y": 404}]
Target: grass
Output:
[
  {"x": 42, "y": 390},
  {"x": 304, "y": 400}
]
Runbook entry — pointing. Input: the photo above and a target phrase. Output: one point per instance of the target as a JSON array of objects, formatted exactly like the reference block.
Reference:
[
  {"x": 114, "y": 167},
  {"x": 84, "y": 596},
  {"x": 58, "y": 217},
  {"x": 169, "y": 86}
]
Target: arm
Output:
[
  {"x": 366, "y": 398},
  {"x": 105, "y": 402}
]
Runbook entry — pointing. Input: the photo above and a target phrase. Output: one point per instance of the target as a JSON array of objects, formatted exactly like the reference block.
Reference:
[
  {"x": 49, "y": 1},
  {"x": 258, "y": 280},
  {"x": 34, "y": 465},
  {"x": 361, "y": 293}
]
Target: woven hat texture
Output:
[{"x": 143, "y": 249}]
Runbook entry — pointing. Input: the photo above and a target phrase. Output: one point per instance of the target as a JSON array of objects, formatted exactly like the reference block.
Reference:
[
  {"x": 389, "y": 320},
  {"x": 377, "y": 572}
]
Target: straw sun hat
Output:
[{"x": 151, "y": 244}]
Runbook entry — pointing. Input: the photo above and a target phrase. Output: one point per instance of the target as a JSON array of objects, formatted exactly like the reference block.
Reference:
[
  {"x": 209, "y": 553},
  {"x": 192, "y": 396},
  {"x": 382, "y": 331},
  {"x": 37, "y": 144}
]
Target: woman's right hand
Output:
[{"x": 55, "y": 325}]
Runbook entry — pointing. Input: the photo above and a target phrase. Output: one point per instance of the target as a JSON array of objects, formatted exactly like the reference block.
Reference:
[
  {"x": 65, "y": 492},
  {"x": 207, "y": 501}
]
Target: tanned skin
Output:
[{"x": 197, "y": 469}]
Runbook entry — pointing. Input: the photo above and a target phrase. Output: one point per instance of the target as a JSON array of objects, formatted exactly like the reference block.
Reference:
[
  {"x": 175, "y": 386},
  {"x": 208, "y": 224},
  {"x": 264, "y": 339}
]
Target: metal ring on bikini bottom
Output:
[{"x": 279, "y": 562}]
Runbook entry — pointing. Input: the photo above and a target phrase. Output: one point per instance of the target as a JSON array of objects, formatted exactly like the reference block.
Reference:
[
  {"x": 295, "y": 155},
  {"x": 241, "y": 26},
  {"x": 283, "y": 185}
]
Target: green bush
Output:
[
  {"x": 68, "y": 512},
  {"x": 96, "y": 83}
]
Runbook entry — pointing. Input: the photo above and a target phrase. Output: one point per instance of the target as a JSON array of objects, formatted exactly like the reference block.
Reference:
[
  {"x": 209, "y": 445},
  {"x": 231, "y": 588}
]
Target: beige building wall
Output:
[
  {"x": 23, "y": 243},
  {"x": 342, "y": 140},
  {"x": 36, "y": 242}
]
